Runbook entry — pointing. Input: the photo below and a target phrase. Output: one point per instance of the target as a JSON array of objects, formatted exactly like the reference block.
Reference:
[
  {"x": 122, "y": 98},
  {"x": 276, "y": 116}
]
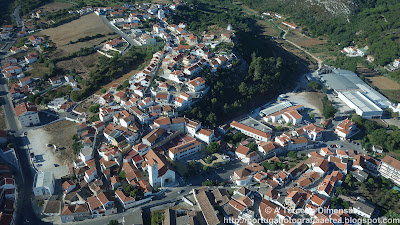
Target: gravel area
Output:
[{"x": 44, "y": 157}]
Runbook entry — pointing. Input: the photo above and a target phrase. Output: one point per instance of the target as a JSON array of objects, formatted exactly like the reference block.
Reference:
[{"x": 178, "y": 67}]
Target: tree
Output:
[
  {"x": 103, "y": 90},
  {"x": 94, "y": 108},
  {"x": 328, "y": 109},
  {"x": 213, "y": 147},
  {"x": 10, "y": 145},
  {"x": 122, "y": 174},
  {"x": 76, "y": 147},
  {"x": 314, "y": 85},
  {"x": 252, "y": 147},
  {"x": 157, "y": 217},
  {"x": 208, "y": 183},
  {"x": 136, "y": 193},
  {"x": 243, "y": 88},
  {"x": 128, "y": 188},
  {"x": 205, "y": 168},
  {"x": 292, "y": 154}
]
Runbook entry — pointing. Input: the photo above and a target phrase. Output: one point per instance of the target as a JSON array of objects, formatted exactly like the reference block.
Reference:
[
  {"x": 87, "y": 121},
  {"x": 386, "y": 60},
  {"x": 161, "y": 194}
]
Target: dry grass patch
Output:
[
  {"x": 55, "y": 6},
  {"x": 61, "y": 134},
  {"x": 38, "y": 69},
  {"x": 383, "y": 82},
  {"x": 80, "y": 64}
]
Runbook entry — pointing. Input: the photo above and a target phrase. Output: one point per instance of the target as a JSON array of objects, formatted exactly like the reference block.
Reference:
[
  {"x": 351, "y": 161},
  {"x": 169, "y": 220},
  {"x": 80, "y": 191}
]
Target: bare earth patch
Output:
[
  {"x": 384, "y": 83},
  {"x": 60, "y": 134},
  {"x": 55, "y": 6},
  {"x": 311, "y": 100}
]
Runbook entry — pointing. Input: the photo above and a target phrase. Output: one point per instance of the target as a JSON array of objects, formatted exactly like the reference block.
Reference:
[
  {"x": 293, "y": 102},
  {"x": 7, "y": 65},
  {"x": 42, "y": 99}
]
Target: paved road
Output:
[
  {"x": 116, "y": 30},
  {"x": 24, "y": 180},
  {"x": 25, "y": 176},
  {"x": 170, "y": 195}
]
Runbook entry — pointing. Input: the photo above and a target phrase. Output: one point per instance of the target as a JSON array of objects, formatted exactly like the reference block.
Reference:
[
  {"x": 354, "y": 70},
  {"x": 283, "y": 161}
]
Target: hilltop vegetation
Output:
[{"x": 375, "y": 23}]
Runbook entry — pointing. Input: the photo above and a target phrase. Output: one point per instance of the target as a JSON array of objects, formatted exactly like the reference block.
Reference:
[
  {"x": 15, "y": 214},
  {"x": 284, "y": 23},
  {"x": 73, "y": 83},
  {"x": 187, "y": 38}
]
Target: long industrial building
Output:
[{"x": 358, "y": 95}]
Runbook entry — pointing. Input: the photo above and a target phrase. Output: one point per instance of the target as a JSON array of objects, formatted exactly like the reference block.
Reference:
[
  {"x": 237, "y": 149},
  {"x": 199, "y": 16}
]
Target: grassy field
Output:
[
  {"x": 392, "y": 94},
  {"x": 82, "y": 64},
  {"x": 61, "y": 135},
  {"x": 38, "y": 69}
]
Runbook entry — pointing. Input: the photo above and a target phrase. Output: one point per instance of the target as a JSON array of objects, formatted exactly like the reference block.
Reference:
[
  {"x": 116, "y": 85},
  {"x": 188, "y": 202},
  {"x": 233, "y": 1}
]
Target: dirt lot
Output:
[
  {"x": 87, "y": 25},
  {"x": 61, "y": 135},
  {"x": 84, "y": 106},
  {"x": 391, "y": 94},
  {"x": 45, "y": 158},
  {"x": 3, "y": 124},
  {"x": 384, "y": 83},
  {"x": 80, "y": 64},
  {"x": 55, "y": 6},
  {"x": 310, "y": 100}
]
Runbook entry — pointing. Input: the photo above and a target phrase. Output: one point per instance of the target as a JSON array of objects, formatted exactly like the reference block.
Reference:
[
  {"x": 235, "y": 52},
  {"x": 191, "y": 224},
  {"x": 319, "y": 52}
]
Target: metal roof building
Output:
[{"x": 366, "y": 101}]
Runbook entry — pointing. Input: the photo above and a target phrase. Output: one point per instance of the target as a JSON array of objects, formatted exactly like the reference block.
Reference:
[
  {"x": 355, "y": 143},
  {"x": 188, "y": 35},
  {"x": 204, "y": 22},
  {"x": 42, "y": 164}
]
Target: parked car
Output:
[
  {"x": 56, "y": 165},
  {"x": 180, "y": 191}
]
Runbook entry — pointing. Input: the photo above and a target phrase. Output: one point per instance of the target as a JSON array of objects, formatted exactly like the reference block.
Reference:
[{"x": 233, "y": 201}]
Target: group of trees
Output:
[
  {"x": 87, "y": 38},
  {"x": 328, "y": 110},
  {"x": 135, "y": 193},
  {"x": 378, "y": 190},
  {"x": 378, "y": 135}
]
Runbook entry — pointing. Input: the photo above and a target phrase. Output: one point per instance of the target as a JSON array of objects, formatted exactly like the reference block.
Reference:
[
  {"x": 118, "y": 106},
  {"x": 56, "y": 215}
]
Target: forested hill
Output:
[
  {"x": 241, "y": 88},
  {"x": 375, "y": 23}
]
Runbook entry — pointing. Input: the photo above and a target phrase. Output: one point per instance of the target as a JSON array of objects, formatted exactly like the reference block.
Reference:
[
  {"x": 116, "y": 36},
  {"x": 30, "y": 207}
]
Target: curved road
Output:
[{"x": 119, "y": 32}]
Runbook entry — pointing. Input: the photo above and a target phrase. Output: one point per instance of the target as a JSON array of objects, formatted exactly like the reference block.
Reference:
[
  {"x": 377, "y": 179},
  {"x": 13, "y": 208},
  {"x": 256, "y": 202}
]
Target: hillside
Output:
[{"x": 375, "y": 23}]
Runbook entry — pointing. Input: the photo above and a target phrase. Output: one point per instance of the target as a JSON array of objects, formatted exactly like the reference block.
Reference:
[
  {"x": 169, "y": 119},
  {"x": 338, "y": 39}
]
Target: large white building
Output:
[
  {"x": 43, "y": 184},
  {"x": 184, "y": 150},
  {"x": 251, "y": 132},
  {"x": 27, "y": 114},
  {"x": 390, "y": 169},
  {"x": 359, "y": 96}
]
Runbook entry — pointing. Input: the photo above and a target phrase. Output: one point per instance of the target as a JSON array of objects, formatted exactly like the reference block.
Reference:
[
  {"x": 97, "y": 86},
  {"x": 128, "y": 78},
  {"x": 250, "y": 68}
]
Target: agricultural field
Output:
[
  {"x": 88, "y": 25},
  {"x": 387, "y": 86},
  {"x": 316, "y": 46}
]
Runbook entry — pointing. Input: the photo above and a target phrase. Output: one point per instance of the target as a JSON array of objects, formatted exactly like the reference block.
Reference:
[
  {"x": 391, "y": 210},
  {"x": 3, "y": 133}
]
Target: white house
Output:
[
  {"x": 196, "y": 84},
  {"x": 43, "y": 184},
  {"x": 205, "y": 135},
  {"x": 126, "y": 201},
  {"x": 27, "y": 114},
  {"x": 345, "y": 129}
]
